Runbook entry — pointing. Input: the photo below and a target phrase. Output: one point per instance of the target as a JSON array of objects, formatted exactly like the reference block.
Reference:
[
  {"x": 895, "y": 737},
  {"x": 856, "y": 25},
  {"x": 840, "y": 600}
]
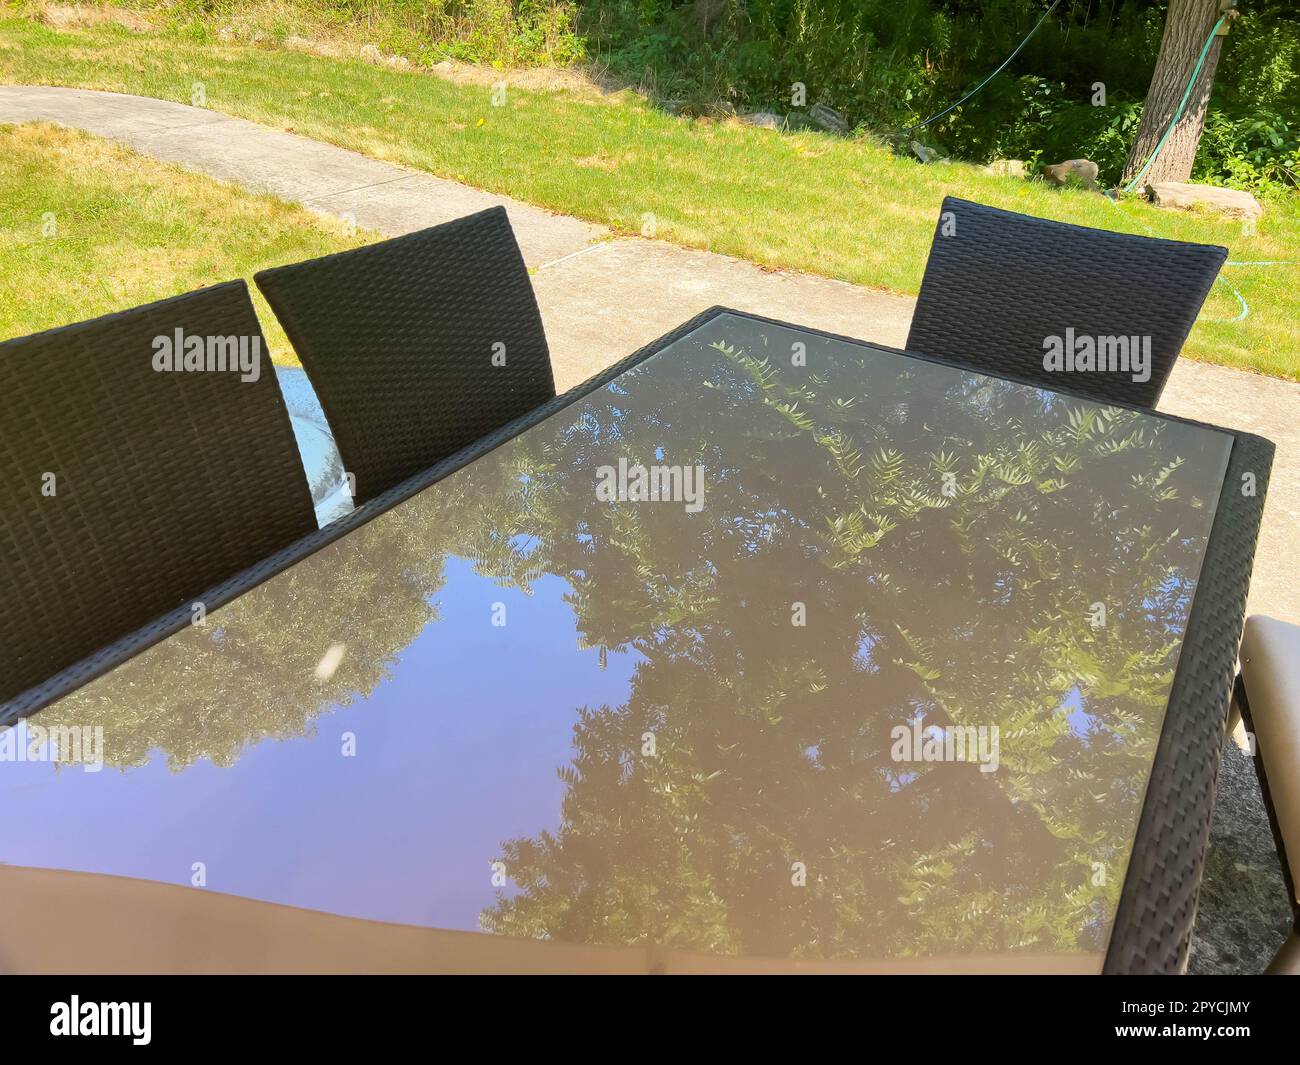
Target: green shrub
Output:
[
  {"x": 1259, "y": 151},
  {"x": 496, "y": 32},
  {"x": 888, "y": 64}
]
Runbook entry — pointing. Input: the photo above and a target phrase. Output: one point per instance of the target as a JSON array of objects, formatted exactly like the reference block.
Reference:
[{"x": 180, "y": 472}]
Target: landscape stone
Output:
[
  {"x": 1232, "y": 203},
  {"x": 828, "y": 118},
  {"x": 1084, "y": 171},
  {"x": 925, "y": 153},
  {"x": 1008, "y": 168}
]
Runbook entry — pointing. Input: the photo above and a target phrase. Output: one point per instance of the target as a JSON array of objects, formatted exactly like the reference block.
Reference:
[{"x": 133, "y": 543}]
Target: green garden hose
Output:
[{"x": 1178, "y": 111}]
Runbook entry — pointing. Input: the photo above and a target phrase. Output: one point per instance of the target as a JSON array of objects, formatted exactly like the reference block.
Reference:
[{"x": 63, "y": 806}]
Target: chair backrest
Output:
[
  {"x": 1010, "y": 294},
  {"x": 128, "y": 487},
  {"x": 416, "y": 346}
]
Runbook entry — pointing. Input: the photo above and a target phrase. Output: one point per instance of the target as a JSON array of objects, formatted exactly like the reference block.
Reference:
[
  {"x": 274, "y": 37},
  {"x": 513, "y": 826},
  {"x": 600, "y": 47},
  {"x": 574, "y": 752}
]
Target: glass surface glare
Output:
[{"x": 512, "y": 705}]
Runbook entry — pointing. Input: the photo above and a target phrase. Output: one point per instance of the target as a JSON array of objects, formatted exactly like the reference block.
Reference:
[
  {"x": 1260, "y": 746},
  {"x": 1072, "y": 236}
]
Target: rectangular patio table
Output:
[{"x": 765, "y": 649}]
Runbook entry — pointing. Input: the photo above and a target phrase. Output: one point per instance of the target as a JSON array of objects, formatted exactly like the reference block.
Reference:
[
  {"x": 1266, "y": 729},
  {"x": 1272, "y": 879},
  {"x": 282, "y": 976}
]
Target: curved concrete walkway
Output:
[{"x": 603, "y": 297}]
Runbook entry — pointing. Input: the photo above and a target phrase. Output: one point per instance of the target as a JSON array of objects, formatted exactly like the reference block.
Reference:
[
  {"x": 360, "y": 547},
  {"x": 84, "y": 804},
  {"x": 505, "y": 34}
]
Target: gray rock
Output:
[
  {"x": 800, "y": 120},
  {"x": 1015, "y": 168},
  {"x": 828, "y": 118},
  {"x": 371, "y": 53},
  {"x": 763, "y": 119},
  {"x": 925, "y": 153},
  {"x": 1082, "y": 171},
  {"x": 1232, "y": 203}
]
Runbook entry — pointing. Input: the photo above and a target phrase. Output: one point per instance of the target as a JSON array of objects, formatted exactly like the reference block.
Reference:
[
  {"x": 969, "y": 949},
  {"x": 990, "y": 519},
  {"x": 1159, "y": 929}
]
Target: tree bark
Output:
[{"x": 1186, "y": 27}]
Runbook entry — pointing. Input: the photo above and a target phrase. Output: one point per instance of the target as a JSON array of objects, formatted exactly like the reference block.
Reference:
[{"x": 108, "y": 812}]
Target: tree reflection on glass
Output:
[
  {"x": 826, "y": 487},
  {"x": 250, "y": 671},
  {"x": 946, "y": 540}
]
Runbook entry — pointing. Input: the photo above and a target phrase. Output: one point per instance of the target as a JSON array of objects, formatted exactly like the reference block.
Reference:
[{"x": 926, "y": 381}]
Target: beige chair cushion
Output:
[
  {"x": 1287, "y": 961},
  {"x": 66, "y": 922},
  {"x": 1270, "y": 666}
]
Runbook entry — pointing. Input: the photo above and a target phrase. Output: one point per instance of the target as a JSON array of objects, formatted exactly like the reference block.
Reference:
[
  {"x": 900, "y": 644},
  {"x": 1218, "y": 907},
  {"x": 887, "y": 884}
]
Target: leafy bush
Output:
[
  {"x": 1259, "y": 151},
  {"x": 512, "y": 32},
  {"x": 888, "y": 64},
  {"x": 496, "y": 32}
]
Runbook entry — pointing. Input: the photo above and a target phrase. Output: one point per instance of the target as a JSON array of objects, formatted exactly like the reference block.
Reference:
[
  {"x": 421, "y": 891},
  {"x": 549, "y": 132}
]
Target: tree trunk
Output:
[{"x": 1186, "y": 27}]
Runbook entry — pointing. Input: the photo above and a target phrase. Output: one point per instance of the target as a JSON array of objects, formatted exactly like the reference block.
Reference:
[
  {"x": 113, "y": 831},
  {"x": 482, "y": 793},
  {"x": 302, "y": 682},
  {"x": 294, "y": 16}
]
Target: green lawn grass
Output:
[
  {"x": 88, "y": 227},
  {"x": 846, "y": 209}
]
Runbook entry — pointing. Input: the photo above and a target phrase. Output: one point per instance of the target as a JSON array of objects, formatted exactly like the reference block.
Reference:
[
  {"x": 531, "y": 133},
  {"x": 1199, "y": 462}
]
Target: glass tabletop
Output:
[{"x": 776, "y": 646}]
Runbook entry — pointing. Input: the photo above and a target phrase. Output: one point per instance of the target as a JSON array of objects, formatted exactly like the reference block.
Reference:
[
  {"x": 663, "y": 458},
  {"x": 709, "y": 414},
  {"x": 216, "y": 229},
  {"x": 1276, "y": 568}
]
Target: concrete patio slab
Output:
[
  {"x": 264, "y": 160},
  {"x": 108, "y": 114},
  {"x": 603, "y": 297},
  {"x": 1269, "y": 408},
  {"x": 417, "y": 201},
  {"x": 601, "y": 304},
  {"x": 366, "y": 192}
]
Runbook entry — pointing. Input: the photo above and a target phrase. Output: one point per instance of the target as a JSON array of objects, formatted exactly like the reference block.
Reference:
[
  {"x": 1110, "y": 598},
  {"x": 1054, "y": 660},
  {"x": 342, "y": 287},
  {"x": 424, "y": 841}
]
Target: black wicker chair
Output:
[
  {"x": 416, "y": 346},
  {"x": 126, "y": 490},
  {"x": 998, "y": 284}
]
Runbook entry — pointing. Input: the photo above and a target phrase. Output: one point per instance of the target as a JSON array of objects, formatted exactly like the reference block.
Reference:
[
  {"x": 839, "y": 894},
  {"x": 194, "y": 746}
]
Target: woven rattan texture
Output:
[
  {"x": 399, "y": 340},
  {"x": 163, "y": 483},
  {"x": 998, "y": 283},
  {"x": 1157, "y": 910}
]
